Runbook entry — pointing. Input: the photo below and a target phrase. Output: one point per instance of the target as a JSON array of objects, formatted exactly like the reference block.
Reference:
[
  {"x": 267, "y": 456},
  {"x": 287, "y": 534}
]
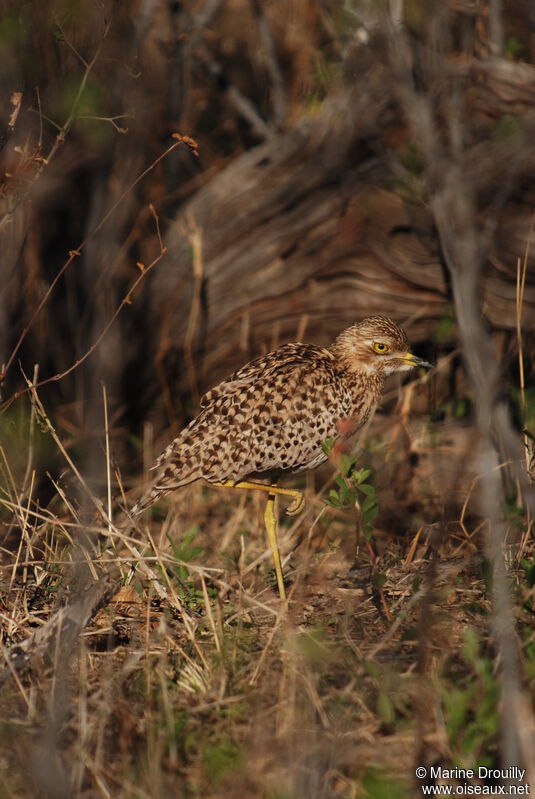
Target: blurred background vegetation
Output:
[
  {"x": 305, "y": 197},
  {"x": 309, "y": 197}
]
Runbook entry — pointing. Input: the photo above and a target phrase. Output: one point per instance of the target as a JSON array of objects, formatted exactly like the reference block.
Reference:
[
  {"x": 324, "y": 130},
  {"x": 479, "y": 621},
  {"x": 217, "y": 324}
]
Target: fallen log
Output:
[
  {"x": 57, "y": 637},
  {"x": 319, "y": 226}
]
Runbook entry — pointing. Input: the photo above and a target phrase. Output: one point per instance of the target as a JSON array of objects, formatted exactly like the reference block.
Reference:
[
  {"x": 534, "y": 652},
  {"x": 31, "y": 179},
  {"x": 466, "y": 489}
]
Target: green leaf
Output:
[
  {"x": 344, "y": 464},
  {"x": 363, "y": 474},
  {"x": 327, "y": 445},
  {"x": 369, "y": 503},
  {"x": 379, "y": 579},
  {"x": 370, "y": 514},
  {"x": 385, "y": 708},
  {"x": 456, "y": 703}
]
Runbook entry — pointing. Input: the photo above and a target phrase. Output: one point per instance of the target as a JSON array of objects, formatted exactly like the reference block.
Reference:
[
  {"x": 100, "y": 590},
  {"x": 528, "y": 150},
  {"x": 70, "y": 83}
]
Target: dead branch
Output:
[
  {"x": 61, "y": 630},
  {"x": 278, "y": 97}
]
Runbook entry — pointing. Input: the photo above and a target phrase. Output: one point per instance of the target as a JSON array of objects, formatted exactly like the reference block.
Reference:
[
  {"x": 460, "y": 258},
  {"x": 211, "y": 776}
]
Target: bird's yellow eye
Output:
[{"x": 380, "y": 347}]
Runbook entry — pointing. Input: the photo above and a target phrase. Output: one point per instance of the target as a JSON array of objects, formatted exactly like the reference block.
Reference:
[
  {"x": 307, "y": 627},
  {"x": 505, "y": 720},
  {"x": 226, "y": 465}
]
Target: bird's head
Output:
[{"x": 377, "y": 345}]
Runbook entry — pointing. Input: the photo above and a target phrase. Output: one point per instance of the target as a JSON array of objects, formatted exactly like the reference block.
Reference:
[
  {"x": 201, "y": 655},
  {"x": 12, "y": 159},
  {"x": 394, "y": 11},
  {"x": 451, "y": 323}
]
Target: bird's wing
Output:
[
  {"x": 274, "y": 413},
  {"x": 224, "y": 392},
  {"x": 281, "y": 359}
]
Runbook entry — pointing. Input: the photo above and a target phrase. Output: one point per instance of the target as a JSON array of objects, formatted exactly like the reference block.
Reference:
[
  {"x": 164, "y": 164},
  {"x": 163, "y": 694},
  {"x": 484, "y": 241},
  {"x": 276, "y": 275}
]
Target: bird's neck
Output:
[
  {"x": 363, "y": 380},
  {"x": 364, "y": 390},
  {"x": 360, "y": 375},
  {"x": 365, "y": 385}
]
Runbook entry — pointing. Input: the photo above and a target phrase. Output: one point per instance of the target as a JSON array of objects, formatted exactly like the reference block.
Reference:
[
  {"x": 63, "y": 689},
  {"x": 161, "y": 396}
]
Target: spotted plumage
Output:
[{"x": 274, "y": 414}]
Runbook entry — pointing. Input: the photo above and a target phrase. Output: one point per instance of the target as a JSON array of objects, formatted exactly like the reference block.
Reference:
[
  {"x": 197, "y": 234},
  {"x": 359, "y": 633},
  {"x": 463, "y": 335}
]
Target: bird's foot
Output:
[{"x": 297, "y": 504}]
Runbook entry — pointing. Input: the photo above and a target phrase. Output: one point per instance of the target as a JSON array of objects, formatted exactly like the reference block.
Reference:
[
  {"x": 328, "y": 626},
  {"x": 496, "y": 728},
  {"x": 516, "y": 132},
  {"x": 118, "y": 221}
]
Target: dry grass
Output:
[
  {"x": 191, "y": 681},
  {"x": 155, "y": 660}
]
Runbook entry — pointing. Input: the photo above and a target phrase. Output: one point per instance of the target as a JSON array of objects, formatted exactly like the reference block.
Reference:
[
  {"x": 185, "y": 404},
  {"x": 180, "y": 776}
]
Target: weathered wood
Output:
[
  {"x": 307, "y": 232},
  {"x": 57, "y": 637}
]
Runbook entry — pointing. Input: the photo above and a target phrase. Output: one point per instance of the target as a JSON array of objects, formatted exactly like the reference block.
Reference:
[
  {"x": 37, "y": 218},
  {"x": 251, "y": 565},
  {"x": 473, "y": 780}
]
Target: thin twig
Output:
[
  {"x": 179, "y": 140},
  {"x": 278, "y": 96},
  {"x": 108, "y": 464},
  {"x": 69, "y": 43},
  {"x": 520, "y": 284},
  {"x": 29, "y": 462},
  {"x": 195, "y": 240},
  {"x": 243, "y": 106},
  {"x": 62, "y": 133}
]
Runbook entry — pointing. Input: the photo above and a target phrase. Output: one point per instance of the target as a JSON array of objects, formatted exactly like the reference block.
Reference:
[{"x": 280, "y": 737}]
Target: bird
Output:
[{"x": 274, "y": 414}]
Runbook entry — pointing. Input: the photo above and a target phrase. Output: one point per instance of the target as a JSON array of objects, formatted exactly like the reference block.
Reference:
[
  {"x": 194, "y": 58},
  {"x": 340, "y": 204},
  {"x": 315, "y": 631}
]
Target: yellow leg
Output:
[
  {"x": 271, "y": 529},
  {"x": 295, "y": 507},
  {"x": 270, "y": 520}
]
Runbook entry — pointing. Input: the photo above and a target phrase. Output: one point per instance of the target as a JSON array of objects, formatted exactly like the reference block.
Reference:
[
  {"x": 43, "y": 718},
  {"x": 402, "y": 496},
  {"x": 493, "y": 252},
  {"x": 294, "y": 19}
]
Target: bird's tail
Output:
[
  {"x": 171, "y": 473},
  {"x": 149, "y": 498}
]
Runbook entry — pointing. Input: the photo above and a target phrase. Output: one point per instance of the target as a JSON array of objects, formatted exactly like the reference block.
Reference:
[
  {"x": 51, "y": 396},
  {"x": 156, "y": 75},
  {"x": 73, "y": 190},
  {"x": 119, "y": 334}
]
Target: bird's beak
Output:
[{"x": 412, "y": 360}]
